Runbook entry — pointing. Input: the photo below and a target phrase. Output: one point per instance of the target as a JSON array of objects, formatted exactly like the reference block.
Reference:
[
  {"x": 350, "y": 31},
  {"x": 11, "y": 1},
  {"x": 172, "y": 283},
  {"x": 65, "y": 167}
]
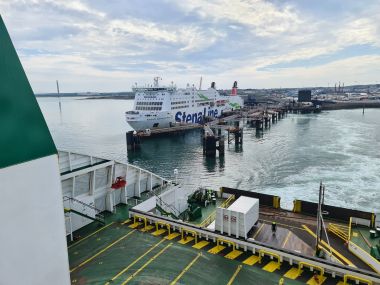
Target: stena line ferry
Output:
[{"x": 164, "y": 106}]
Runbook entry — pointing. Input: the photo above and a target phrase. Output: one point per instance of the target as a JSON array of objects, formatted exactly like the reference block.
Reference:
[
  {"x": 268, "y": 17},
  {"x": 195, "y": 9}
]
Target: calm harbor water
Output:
[{"x": 341, "y": 148}]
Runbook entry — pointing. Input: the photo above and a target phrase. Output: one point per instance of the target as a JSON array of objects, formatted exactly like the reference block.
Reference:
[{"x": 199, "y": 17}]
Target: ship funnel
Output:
[
  {"x": 213, "y": 85},
  {"x": 234, "y": 89}
]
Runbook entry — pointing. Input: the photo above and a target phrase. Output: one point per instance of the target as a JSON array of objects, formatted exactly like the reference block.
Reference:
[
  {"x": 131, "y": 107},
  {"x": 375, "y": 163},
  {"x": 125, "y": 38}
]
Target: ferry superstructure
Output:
[{"x": 163, "y": 106}]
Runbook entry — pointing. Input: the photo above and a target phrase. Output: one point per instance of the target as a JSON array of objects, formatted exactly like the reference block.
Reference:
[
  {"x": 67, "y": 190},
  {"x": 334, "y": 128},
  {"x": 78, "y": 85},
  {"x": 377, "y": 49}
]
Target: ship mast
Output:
[{"x": 59, "y": 97}]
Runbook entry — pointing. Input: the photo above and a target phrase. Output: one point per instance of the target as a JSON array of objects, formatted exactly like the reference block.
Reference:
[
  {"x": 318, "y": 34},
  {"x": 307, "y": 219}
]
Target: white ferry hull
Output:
[
  {"x": 145, "y": 120},
  {"x": 162, "y": 107}
]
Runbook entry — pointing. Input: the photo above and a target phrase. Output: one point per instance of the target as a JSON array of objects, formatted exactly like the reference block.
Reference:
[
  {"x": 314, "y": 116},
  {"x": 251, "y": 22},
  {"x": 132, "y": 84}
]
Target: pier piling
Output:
[{"x": 133, "y": 140}]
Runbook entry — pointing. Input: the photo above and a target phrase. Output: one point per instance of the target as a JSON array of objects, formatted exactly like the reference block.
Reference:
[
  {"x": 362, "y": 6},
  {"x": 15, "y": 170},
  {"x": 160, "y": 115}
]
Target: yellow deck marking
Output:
[
  {"x": 134, "y": 262},
  {"x": 251, "y": 260},
  {"x": 293, "y": 273},
  {"x": 172, "y": 236},
  {"x": 126, "y": 222},
  {"x": 258, "y": 231},
  {"x": 186, "y": 269},
  {"x": 312, "y": 281},
  {"x": 159, "y": 232},
  {"x": 103, "y": 250},
  {"x": 90, "y": 235},
  {"x": 147, "y": 263},
  {"x": 233, "y": 254},
  {"x": 135, "y": 225},
  {"x": 201, "y": 244},
  {"x": 235, "y": 274},
  {"x": 217, "y": 249},
  {"x": 147, "y": 228},
  {"x": 286, "y": 239},
  {"x": 187, "y": 240},
  {"x": 354, "y": 234},
  {"x": 336, "y": 253},
  {"x": 271, "y": 266}
]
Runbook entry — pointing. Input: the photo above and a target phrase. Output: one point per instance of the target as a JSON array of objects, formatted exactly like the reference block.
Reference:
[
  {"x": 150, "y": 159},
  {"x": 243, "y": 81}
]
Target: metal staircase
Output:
[
  {"x": 98, "y": 216},
  {"x": 161, "y": 205},
  {"x": 171, "y": 210}
]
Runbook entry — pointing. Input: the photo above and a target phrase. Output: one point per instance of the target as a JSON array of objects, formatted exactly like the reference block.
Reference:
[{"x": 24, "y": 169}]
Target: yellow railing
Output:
[
  {"x": 186, "y": 231},
  {"x": 312, "y": 267},
  {"x": 135, "y": 217},
  {"x": 349, "y": 229},
  {"x": 262, "y": 252},
  {"x": 227, "y": 202},
  {"x": 208, "y": 220},
  {"x": 163, "y": 224},
  {"x": 211, "y": 217},
  {"x": 231, "y": 243},
  {"x": 340, "y": 231},
  {"x": 356, "y": 278}
]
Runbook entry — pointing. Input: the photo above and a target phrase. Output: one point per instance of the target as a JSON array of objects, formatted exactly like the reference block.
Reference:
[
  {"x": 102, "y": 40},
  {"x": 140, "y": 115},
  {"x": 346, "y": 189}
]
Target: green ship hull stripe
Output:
[{"x": 24, "y": 135}]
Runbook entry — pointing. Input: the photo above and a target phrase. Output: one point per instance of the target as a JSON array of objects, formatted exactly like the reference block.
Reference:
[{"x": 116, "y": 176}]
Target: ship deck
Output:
[{"x": 119, "y": 254}]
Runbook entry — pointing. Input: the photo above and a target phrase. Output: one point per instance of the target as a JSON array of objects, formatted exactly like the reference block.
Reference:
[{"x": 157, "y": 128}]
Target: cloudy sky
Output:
[{"x": 93, "y": 45}]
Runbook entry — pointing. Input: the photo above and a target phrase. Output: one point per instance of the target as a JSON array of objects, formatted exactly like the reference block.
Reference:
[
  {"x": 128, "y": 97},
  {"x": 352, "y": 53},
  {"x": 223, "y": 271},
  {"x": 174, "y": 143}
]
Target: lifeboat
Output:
[{"x": 119, "y": 183}]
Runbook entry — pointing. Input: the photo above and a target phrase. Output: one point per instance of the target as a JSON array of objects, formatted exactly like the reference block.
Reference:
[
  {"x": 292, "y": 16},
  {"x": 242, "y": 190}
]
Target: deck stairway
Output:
[
  {"x": 98, "y": 216},
  {"x": 172, "y": 211},
  {"x": 161, "y": 205}
]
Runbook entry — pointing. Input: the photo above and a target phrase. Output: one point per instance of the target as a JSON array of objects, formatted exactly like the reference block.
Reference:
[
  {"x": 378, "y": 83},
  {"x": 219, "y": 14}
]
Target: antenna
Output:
[
  {"x": 59, "y": 97},
  {"x": 156, "y": 81}
]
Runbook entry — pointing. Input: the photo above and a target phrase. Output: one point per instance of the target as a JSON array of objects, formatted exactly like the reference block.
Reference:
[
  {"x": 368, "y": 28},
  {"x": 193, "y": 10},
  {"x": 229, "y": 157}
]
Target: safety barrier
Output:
[
  {"x": 194, "y": 233},
  {"x": 349, "y": 229},
  {"x": 211, "y": 217},
  {"x": 332, "y": 212},
  {"x": 208, "y": 220},
  {"x": 227, "y": 202},
  {"x": 356, "y": 278},
  {"x": 265, "y": 199},
  {"x": 255, "y": 246},
  {"x": 340, "y": 231},
  {"x": 312, "y": 267},
  {"x": 297, "y": 206},
  {"x": 135, "y": 217},
  {"x": 262, "y": 252},
  {"x": 163, "y": 224},
  {"x": 276, "y": 202},
  {"x": 373, "y": 220},
  {"x": 231, "y": 243}
]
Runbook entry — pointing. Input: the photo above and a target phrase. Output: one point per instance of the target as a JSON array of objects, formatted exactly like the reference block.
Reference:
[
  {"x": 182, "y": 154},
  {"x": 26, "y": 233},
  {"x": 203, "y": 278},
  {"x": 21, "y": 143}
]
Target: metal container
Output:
[{"x": 238, "y": 218}]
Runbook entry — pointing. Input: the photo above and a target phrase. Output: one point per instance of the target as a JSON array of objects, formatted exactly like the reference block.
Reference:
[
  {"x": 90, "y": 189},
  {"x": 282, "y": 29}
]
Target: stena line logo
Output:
[{"x": 195, "y": 117}]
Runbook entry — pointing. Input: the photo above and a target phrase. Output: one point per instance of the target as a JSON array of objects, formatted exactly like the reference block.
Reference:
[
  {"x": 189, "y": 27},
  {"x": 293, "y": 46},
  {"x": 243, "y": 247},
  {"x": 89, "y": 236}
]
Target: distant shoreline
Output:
[{"x": 351, "y": 105}]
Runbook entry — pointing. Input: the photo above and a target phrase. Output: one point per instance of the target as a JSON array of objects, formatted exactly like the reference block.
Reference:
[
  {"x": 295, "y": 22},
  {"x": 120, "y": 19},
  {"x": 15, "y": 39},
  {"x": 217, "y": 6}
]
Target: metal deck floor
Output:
[{"x": 118, "y": 254}]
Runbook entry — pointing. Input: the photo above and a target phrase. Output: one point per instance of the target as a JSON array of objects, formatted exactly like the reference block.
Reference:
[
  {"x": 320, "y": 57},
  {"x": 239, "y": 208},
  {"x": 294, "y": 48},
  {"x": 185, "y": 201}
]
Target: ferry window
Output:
[
  {"x": 67, "y": 187},
  {"x": 101, "y": 177},
  {"x": 82, "y": 184}
]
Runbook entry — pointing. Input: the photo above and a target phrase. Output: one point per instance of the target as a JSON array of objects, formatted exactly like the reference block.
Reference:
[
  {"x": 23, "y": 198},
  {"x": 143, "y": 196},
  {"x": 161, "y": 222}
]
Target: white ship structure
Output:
[{"x": 164, "y": 106}]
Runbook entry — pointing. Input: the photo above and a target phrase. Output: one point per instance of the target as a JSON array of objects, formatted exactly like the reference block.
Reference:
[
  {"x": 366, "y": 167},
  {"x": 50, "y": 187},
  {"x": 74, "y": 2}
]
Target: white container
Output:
[{"x": 239, "y": 218}]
